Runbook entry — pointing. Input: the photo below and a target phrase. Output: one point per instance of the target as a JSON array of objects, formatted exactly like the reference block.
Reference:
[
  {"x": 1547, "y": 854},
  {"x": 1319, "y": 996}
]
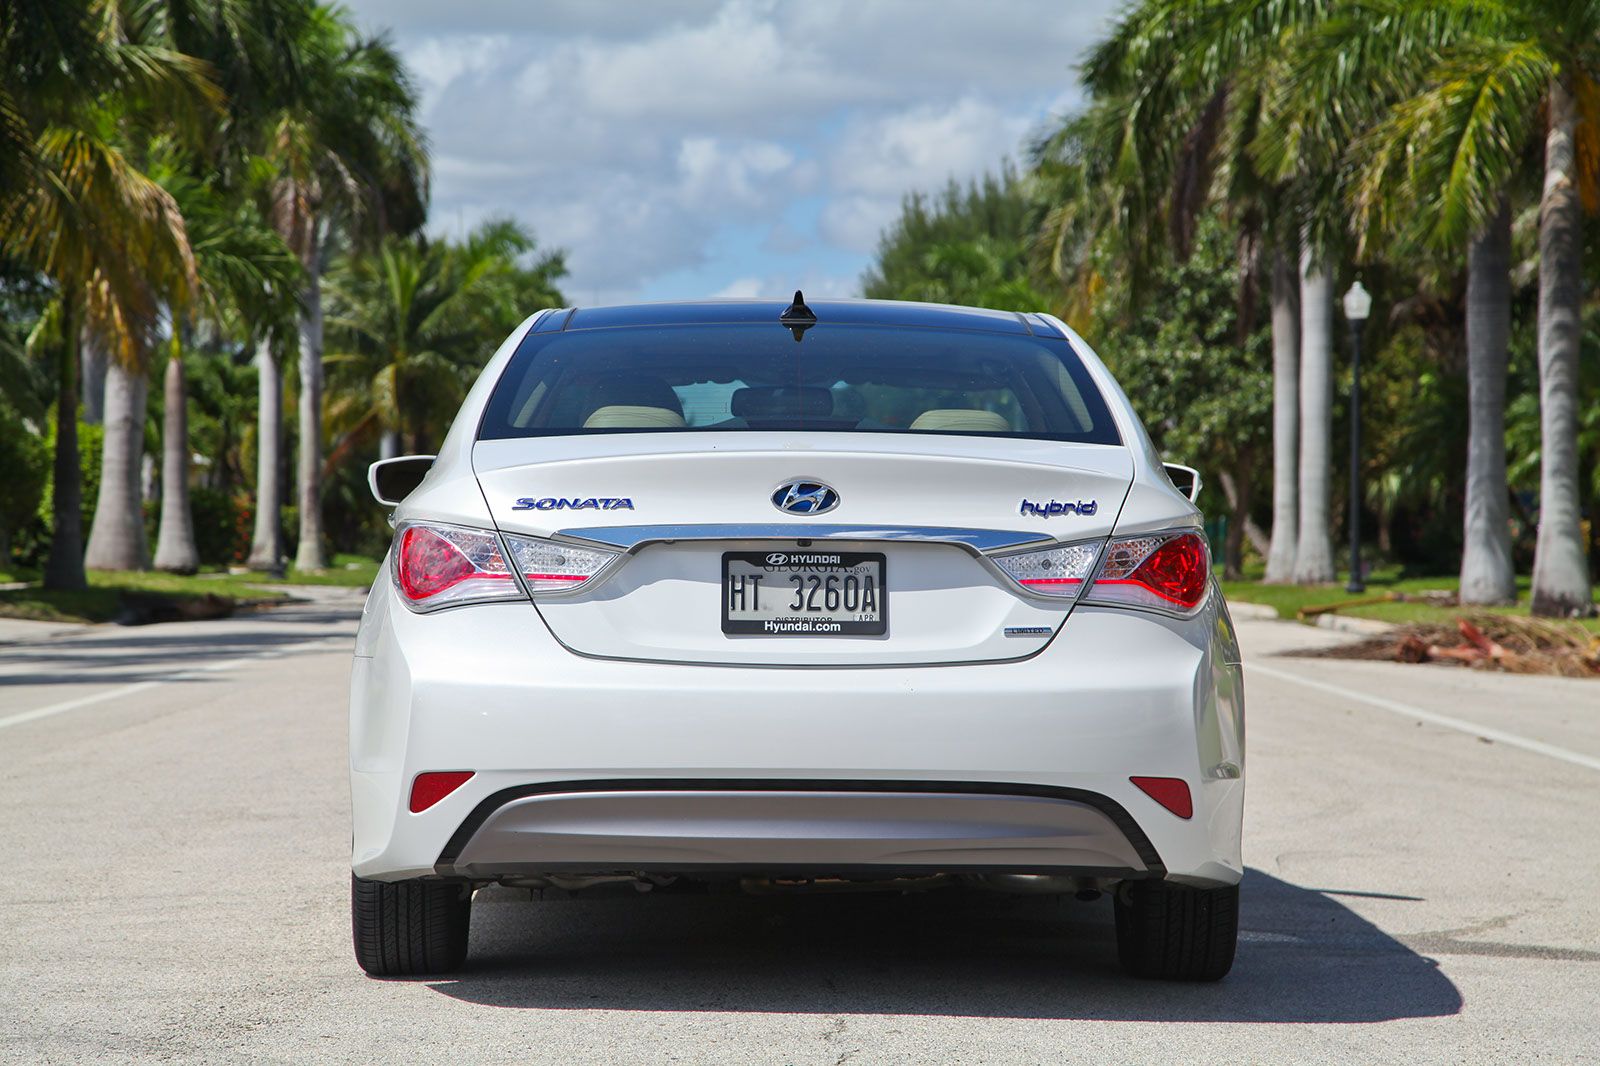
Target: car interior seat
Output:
[{"x": 961, "y": 420}]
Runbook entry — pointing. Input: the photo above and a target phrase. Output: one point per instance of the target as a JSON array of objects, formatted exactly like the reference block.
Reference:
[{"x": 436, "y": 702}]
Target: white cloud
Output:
[
  {"x": 720, "y": 175},
  {"x": 815, "y": 286},
  {"x": 879, "y": 159},
  {"x": 737, "y": 68},
  {"x": 855, "y": 222},
  {"x": 741, "y": 289},
  {"x": 658, "y": 140},
  {"x": 927, "y": 144},
  {"x": 439, "y": 61}
]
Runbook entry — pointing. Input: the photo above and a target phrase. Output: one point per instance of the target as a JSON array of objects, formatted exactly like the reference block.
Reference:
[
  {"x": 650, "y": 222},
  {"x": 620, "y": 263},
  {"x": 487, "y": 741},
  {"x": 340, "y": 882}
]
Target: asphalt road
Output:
[{"x": 1424, "y": 886}]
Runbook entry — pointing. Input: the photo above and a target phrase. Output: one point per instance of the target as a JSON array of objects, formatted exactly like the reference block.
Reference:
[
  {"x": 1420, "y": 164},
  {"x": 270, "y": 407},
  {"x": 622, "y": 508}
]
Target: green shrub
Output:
[
  {"x": 25, "y": 458},
  {"x": 31, "y": 542},
  {"x": 215, "y": 527}
]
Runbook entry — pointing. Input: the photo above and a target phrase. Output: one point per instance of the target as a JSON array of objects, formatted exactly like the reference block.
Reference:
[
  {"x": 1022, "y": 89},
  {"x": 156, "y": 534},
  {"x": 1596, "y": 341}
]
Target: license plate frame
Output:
[{"x": 804, "y": 562}]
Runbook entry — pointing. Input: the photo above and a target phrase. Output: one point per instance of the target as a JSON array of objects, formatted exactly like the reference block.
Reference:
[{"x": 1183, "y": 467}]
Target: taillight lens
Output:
[
  {"x": 550, "y": 567},
  {"x": 1058, "y": 572},
  {"x": 440, "y": 566},
  {"x": 1163, "y": 571}
]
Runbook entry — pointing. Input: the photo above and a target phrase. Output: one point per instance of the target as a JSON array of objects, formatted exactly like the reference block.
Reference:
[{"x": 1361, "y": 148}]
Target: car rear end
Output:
[{"x": 692, "y": 594}]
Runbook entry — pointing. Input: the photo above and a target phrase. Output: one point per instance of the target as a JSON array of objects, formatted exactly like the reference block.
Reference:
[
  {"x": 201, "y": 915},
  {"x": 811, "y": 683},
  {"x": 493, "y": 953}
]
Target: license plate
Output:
[{"x": 804, "y": 594}]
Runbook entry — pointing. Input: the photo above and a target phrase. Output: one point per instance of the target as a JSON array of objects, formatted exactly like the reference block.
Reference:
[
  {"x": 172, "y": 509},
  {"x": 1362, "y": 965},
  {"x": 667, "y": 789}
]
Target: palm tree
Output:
[
  {"x": 1514, "y": 73},
  {"x": 247, "y": 281},
  {"x": 1203, "y": 70},
  {"x": 1487, "y": 573},
  {"x": 1284, "y": 299},
  {"x": 1376, "y": 60},
  {"x": 256, "y": 51},
  {"x": 117, "y": 539},
  {"x": 1313, "y": 553},
  {"x": 266, "y": 544},
  {"x": 412, "y": 325},
  {"x": 77, "y": 209},
  {"x": 347, "y": 151},
  {"x": 1560, "y": 564}
]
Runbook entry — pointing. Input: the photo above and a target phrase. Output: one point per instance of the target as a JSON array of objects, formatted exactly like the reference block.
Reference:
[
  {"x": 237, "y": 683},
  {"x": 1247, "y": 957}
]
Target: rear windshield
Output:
[{"x": 756, "y": 377}]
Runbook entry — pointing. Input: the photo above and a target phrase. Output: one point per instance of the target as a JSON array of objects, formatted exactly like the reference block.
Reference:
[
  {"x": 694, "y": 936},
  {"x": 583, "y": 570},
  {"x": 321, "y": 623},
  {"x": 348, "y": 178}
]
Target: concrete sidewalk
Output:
[{"x": 27, "y": 631}]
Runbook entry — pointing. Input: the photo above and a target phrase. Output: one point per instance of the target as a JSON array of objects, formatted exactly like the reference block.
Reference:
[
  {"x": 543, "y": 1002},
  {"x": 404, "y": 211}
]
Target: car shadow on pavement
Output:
[
  {"x": 110, "y": 658},
  {"x": 1303, "y": 957}
]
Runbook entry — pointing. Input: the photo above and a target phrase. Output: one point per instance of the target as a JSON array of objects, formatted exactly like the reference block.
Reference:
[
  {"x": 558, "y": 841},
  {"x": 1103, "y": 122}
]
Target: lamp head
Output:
[{"x": 1357, "y": 303}]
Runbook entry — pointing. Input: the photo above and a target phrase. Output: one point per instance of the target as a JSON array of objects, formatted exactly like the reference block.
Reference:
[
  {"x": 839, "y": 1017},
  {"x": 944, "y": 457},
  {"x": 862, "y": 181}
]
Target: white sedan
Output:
[{"x": 748, "y": 593}]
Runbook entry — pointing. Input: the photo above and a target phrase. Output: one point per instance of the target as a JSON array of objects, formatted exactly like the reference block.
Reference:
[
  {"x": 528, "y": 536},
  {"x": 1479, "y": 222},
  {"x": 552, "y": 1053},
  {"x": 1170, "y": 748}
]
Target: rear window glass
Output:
[{"x": 755, "y": 377}]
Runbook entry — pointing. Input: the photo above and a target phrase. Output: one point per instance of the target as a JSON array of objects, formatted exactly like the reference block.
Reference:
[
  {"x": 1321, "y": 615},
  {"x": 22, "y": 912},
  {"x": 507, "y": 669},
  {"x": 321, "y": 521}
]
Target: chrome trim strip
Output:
[{"x": 977, "y": 541}]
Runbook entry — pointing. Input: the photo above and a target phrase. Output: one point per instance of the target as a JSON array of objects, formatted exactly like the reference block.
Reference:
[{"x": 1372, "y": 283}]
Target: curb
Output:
[
  {"x": 1253, "y": 611},
  {"x": 1367, "y": 627}
]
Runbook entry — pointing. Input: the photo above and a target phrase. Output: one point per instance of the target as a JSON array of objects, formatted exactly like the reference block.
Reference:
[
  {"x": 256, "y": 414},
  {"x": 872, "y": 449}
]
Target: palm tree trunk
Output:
[
  {"x": 1239, "y": 490},
  {"x": 116, "y": 536},
  {"x": 266, "y": 546},
  {"x": 308, "y": 556},
  {"x": 94, "y": 377},
  {"x": 1560, "y": 566},
  {"x": 1486, "y": 571},
  {"x": 63, "y": 568},
  {"x": 1313, "y": 561},
  {"x": 175, "y": 549},
  {"x": 1385, "y": 531},
  {"x": 1285, "y": 298},
  {"x": 1259, "y": 538}
]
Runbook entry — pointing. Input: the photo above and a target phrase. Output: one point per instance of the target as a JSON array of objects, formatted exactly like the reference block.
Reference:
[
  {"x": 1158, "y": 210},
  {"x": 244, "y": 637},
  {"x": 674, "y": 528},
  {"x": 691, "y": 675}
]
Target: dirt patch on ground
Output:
[
  {"x": 143, "y": 609},
  {"x": 1485, "y": 642}
]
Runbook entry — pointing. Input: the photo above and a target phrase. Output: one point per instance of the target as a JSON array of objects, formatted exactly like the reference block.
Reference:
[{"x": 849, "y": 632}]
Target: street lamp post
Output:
[{"x": 1357, "y": 305}]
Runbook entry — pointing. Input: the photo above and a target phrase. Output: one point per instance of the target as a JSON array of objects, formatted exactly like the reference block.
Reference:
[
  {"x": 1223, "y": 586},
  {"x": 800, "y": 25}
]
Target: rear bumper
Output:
[
  {"x": 699, "y": 826},
  {"x": 487, "y": 689}
]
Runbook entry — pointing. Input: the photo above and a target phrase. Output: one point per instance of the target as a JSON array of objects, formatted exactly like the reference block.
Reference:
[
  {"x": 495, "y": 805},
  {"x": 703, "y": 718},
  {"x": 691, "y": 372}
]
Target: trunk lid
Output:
[{"x": 679, "y": 502}]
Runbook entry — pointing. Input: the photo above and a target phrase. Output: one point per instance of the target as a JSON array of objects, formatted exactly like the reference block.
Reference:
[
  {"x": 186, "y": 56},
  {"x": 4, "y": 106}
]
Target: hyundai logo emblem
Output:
[
  {"x": 804, "y": 497},
  {"x": 777, "y": 559}
]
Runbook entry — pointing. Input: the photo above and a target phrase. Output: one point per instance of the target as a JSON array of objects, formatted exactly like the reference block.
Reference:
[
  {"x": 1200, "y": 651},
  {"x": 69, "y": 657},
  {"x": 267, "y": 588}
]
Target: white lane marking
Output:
[
  {"x": 155, "y": 682},
  {"x": 1538, "y": 747}
]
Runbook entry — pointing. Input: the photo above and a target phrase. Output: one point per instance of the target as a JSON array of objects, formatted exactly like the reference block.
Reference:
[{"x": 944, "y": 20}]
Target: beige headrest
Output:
[
  {"x": 962, "y": 420},
  {"x": 623, "y": 417}
]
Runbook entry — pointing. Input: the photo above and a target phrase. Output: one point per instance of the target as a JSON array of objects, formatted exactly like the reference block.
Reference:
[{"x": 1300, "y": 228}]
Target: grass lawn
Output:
[
  {"x": 1289, "y": 599},
  {"x": 112, "y": 595},
  {"x": 350, "y": 571}
]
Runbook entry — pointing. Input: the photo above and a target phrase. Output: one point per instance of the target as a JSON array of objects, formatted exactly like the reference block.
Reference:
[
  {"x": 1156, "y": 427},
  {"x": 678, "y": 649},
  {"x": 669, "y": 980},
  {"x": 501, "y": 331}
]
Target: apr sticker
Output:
[
  {"x": 1055, "y": 507},
  {"x": 573, "y": 503}
]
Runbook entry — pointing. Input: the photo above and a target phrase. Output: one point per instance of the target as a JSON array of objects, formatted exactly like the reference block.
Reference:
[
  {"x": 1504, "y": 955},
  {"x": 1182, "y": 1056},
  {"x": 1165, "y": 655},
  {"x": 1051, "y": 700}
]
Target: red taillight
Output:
[
  {"x": 1166, "y": 571},
  {"x": 429, "y": 564},
  {"x": 429, "y": 788},
  {"x": 437, "y": 566},
  {"x": 1171, "y": 792}
]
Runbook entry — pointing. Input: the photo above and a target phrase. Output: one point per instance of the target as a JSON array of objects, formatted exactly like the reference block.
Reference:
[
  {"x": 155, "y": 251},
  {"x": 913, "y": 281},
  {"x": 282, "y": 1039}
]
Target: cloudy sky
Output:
[{"x": 681, "y": 148}]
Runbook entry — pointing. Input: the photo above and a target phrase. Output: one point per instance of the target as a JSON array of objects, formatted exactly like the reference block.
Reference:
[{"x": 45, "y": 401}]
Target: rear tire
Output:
[
  {"x": 409, "y": 928},
  {"x": 1176, "y": 933}
]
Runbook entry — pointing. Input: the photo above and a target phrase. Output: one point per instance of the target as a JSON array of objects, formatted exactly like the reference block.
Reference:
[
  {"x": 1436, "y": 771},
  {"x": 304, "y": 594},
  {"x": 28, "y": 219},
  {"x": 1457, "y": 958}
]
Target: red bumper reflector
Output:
[
  {"x": 429, "y": 788},
  {"x": 1171, "y": 792}
]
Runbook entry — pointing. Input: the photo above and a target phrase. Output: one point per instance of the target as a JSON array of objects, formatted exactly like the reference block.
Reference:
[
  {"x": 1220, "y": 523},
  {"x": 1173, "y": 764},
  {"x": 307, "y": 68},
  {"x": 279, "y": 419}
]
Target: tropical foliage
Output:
[
  {"x": 1238, "y": 162},
  {"x": 219, "y": 297},
  {"x": 175, "y": 181}
]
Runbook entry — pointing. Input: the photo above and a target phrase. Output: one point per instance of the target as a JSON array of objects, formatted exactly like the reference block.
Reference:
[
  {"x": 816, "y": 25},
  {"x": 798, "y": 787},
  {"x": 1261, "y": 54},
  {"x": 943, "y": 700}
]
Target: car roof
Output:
[{"x": 844, "y": 312}]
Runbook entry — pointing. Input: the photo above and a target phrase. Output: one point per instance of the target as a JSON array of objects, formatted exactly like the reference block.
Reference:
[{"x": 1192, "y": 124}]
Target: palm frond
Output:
[{"x": 1454, "y": 146}]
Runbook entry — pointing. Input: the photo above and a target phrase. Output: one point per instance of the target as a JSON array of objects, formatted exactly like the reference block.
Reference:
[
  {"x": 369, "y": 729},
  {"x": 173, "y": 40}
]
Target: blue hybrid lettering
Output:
[{"x": 1085, "y": 508}]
